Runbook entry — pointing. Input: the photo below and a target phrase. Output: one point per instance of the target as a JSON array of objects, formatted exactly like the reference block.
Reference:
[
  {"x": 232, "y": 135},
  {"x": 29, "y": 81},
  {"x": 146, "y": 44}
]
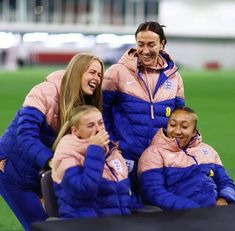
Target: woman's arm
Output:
[
  {"x": 83, "y": 181},
  {"x": 226, "y": 188},
  {"x": 155, "y": 192},
  {"x": 29, "y": 136}
]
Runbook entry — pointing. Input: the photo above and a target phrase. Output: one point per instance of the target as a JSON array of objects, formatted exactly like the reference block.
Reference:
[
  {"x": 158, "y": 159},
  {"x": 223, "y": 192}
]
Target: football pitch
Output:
[{"x": 210, "y": 93}]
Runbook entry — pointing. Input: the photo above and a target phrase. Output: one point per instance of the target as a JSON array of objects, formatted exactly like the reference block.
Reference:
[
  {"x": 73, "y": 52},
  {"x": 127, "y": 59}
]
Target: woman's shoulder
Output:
[
  {"x": 46, "y": 93},
  {"x": 207, "y": 149},
  {"x": 52, "y": 83}
]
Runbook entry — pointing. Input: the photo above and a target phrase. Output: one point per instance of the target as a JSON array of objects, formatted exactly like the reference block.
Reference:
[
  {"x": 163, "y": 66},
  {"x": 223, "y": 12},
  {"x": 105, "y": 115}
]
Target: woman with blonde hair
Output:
[
  {"x": 25, "y": 147},
  {"x": 90, "y": 174}
]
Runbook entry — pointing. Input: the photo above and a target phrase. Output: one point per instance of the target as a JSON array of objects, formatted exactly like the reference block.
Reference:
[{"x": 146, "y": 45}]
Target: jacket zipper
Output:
[{"x": 150, "y": 96}]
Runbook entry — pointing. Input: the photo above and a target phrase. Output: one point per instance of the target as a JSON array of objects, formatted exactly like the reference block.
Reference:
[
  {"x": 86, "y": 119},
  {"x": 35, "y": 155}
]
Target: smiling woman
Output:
[
  {"x": 182, "y": 126},
  {"x": 92, "y": 77},
  {"x": 27, "y": 142},
  {"x": 139, "y": 93},
  {"x": 193, "y": 170}
]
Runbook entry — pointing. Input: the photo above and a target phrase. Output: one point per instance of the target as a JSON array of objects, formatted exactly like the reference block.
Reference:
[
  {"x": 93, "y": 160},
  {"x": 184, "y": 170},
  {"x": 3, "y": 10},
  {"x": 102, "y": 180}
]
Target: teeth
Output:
[{"x": 93, "y": 85}]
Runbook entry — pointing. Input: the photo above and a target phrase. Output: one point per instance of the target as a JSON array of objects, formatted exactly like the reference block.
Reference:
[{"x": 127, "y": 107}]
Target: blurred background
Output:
[
  {"x": 40, "y": 36},
  {"x": 200, "y": 32}
]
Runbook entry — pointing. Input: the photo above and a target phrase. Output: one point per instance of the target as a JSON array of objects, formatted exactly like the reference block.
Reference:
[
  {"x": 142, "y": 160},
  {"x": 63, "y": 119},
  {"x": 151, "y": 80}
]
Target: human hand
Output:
[
  {"x": 101, "y": 138},
  {"x": 2, "y": 165},
  {"x": 221, "y": 202}
]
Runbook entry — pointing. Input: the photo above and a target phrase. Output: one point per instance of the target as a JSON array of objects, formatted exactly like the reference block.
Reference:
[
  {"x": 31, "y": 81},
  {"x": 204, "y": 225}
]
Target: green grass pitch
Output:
[{"x": 210, "y": 93}]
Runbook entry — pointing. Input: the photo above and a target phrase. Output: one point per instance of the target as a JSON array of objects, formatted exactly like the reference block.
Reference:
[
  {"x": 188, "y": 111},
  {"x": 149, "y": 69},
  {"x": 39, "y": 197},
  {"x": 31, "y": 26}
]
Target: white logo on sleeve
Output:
[
  {"x": 129, "y": 82},
  {"x": 117, "y": 165},
  {"x": 171, "y": 155}
]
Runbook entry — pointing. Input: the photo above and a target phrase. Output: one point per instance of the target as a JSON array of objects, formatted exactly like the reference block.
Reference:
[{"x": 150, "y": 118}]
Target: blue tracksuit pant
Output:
[{"x": 26, "y": 205}]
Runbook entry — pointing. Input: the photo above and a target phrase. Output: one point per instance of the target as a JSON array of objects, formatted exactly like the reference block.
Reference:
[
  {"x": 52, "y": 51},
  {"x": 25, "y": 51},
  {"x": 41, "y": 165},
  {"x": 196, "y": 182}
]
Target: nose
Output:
[
  {"x": 98, "y": 128},
  {"x": 97, "y": 77},
  {"x": 177, "y": 130},
  {"x": 145, "y": 50}
]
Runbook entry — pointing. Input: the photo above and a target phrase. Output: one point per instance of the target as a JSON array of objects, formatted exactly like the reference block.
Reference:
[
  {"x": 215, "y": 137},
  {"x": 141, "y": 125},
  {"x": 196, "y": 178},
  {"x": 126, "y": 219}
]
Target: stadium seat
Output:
[{"x": 48, "y": 195}]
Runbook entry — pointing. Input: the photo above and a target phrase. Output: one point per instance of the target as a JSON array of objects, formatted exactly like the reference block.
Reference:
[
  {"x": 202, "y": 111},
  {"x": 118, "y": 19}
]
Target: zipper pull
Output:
[{"x": 152, "y": 111}]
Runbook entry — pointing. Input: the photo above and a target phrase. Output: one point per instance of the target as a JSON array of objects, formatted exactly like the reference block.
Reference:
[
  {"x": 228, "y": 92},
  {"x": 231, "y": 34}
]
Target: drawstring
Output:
[
  {"x": 150, "y": 94},
  {"x": 186, "y": 147}
]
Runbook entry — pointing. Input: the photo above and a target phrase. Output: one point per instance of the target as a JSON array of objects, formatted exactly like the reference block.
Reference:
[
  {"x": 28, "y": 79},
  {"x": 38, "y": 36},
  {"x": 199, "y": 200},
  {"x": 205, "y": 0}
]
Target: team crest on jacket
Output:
[
  {"x": 117, "y": 165},
  {"x": 168, "y": 84},
  {"x": 205, "y": 151}
]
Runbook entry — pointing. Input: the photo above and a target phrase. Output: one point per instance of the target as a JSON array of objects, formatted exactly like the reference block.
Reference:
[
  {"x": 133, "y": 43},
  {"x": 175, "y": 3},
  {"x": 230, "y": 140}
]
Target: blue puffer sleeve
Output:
[
  {"x": 29, "y": 136},
  {"x": 155, "y": 192},
  {"x": 107, "y": 110},
  {"x": 84, "y": 181},
  {"x": 226, "y": 188}
]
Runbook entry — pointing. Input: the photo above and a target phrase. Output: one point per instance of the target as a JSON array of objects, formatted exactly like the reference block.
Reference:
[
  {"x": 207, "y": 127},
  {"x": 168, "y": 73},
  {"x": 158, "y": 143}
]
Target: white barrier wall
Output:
[
  {"x": 199, "y": 32},
  {"x": 205, "y": 28},
  {"x": 195, "y": 54},
  {"x": 209, "y": 18}
]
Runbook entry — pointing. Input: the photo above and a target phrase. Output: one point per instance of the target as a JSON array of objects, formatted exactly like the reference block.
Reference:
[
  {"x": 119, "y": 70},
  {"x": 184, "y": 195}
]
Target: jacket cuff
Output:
[{"x": 228, "y": 194}]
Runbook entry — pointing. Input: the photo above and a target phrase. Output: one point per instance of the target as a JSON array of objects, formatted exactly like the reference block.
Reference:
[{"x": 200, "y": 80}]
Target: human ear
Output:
[
  {"x": 75, "y": 131},
  {"x": 162, "y": 44}
]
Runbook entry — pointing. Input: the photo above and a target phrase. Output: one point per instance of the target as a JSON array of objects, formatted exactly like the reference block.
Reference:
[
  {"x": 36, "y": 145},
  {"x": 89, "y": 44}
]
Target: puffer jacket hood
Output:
[
  {"x": 131, "y": 61},
  {"x": 55, "y": 78}
]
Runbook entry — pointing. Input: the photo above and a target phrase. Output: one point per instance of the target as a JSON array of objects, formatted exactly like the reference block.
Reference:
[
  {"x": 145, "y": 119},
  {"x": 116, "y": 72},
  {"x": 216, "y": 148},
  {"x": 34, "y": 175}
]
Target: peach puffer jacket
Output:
[
  {"x": 174, "y": 178},
  {"x": 89, "y": 181}
]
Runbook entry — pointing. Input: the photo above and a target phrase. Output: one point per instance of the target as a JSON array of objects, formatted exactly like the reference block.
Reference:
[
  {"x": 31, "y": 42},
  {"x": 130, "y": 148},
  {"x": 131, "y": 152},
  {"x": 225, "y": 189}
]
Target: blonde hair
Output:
[
  {"x": 71, "y": 87},
  {"x": 73, "y": 120}
]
